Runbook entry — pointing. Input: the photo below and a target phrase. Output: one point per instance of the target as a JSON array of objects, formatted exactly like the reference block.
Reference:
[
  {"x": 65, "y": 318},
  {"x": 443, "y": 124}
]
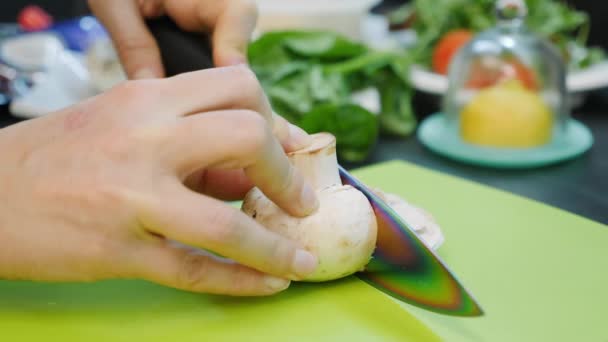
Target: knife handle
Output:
[{"x": 180, "y": 51}]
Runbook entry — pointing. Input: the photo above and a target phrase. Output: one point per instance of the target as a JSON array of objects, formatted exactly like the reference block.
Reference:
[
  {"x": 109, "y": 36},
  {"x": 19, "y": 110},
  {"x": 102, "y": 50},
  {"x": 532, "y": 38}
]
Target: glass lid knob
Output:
[{"x": 512, "y": 12}]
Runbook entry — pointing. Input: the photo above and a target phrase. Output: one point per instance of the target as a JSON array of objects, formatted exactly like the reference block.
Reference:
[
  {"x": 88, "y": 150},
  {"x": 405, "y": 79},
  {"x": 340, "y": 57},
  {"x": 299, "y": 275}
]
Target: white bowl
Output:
[{"x": 342, "y": 16}]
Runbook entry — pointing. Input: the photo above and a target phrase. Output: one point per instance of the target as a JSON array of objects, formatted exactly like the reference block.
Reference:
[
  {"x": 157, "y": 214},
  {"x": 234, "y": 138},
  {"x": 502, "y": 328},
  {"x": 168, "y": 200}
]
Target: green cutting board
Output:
[{"x": 540, "y": 274}]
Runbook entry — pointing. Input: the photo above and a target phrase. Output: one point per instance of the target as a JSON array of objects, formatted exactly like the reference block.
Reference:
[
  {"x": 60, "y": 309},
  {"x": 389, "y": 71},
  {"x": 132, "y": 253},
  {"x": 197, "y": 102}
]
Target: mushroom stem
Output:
[{"x": 318, "y": 162}]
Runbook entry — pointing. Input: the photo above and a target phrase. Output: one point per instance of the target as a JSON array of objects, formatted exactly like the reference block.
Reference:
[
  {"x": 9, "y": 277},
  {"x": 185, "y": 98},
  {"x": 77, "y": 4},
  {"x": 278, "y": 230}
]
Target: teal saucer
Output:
[{"x": 436, "y": 134}]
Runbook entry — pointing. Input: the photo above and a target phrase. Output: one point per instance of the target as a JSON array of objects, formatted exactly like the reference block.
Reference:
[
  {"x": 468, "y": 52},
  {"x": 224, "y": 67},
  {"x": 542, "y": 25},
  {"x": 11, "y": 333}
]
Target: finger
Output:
[
  {"x": 135, "y": 45},
  {"x": 196, "y": 271},
  {"x": 233, "y": 88},
  {"x": 232, "y": 33},
  {"x": 227, "y": 185},
  {"x": 239, "y": 140},
  {"x": 231, "y": 21},
  {"x": 199, "y": 221}
]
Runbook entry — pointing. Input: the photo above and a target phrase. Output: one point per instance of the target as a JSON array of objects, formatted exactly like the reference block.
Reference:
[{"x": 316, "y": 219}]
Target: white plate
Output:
[
  {"x": 593, "y": 78},
  {"x": 377, "y": 35},
  {"x": 342, "y": 16}
]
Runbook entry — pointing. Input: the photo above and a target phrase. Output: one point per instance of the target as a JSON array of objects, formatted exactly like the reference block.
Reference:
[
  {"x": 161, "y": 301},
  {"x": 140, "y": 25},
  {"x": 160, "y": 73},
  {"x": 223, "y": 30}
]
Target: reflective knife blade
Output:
[{"x": 405, "y": 268}]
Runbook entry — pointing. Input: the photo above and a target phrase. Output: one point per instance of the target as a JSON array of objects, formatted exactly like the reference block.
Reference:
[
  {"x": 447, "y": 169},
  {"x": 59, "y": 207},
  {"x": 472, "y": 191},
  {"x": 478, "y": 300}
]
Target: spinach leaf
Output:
[
  {"x": 268, "y": 50},
  {"x": 309, "y": 77},
  {"x": 283, "y": 46},
  {"x": 355, "y": 128},
  {"x": 291, "y": 96},
  {"x": 297, "y": 93},
  {"x": 324, "y": 45}
]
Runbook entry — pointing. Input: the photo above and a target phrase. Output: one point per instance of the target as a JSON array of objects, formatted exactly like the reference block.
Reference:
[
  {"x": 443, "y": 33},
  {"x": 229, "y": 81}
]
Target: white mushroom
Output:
[{"x": 341, "y": 233}]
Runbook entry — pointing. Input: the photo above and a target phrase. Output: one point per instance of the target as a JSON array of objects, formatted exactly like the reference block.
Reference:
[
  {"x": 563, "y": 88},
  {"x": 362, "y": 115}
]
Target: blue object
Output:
[
  {"x": 79, "y": 33},
  {"x": 437, "y": 135}
]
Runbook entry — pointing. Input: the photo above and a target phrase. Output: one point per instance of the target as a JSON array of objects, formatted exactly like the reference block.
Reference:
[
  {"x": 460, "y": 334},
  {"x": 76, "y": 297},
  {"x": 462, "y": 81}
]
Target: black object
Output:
[{"x": 181, "y": 51}]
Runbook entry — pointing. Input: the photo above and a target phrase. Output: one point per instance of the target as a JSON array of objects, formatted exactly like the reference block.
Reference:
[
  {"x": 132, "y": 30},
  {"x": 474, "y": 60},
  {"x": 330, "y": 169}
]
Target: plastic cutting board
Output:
[{"x": 541, "y": 274}]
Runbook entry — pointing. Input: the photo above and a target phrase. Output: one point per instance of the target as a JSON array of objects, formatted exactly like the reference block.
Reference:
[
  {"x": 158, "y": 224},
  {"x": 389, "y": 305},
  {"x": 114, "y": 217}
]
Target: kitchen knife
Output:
[
  {"x": 405, "y": 268},
  {"x": 402, "y": 265}
]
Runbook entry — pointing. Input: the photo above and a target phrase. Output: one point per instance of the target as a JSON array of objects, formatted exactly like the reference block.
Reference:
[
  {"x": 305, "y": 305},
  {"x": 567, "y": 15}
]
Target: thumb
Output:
[{"x": 135, "y": 45}]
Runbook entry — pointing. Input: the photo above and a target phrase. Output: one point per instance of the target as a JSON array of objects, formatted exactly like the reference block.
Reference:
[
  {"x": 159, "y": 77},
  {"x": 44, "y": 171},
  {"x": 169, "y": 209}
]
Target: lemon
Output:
[{"x": 507, "y": 115}]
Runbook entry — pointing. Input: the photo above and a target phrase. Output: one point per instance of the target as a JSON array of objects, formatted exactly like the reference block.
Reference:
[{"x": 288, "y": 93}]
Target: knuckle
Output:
[
  {"x": 137, "y": 98},
  {"x": 157, "y": 135},
  {"x": 192, "y": 271},
  {"x": 247, "y": 80},
  {"x": 241, "y": 280},
  {"x": 131, "y": 92}
]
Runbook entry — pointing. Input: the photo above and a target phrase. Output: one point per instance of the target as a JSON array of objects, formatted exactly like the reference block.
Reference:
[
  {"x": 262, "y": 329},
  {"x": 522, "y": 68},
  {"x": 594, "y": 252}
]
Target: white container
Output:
[{"x": 342, "y": 16}]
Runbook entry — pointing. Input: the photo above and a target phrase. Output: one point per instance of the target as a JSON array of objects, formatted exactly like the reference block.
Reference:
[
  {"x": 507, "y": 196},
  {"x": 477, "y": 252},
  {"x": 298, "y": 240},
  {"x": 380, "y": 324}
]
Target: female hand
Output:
[
  {"x": 231, "y": 23},
  {"x": 96, "y": 191}
]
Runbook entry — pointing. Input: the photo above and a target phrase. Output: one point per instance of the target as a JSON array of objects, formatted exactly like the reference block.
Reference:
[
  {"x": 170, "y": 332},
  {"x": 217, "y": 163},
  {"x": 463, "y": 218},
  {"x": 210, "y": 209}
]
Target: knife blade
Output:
[{"x": 403, "y": 267}]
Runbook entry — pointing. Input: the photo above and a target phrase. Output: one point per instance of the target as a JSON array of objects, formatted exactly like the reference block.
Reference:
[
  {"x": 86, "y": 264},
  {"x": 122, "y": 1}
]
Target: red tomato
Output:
[
  {"x": 489, "y": 70},
  {"x": 523, "y": 73},
  {"x": 34, "y": 18},
  {"x": 447, "y": 47}
]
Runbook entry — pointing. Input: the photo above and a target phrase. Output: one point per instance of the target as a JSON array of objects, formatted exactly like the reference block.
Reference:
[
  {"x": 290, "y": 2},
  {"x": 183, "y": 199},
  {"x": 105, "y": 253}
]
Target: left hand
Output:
[
  {"x": 230, "y": 22},
  {"x": 96, "y": 191}
]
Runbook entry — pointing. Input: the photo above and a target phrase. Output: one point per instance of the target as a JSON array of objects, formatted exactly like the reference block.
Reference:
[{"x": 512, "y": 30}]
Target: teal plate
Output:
[{"x": 436, "y": 134}]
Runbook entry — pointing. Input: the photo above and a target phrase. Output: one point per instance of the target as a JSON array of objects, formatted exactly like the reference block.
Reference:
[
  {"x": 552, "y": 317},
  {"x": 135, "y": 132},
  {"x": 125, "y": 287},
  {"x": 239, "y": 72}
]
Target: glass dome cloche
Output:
[{"x": 507, "y": 86}]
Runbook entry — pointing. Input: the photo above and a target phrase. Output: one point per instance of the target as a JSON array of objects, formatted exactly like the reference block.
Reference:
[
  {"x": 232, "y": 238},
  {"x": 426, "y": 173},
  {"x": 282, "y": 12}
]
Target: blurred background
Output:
[
  {"x": 316, "y": 79},
  {"x": 64, "y": 9}
]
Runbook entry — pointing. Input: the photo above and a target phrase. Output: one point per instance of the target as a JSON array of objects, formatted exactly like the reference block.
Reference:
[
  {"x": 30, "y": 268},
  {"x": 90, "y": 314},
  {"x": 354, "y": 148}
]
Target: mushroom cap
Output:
[{"x": 342, "y": 233}]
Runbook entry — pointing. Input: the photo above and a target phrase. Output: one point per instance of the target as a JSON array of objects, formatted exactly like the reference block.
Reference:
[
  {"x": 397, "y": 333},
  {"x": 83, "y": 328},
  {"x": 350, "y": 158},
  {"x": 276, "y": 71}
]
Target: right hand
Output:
[
  {"x": 96, "y": 191},
  {"x": 229, "y": 23}
]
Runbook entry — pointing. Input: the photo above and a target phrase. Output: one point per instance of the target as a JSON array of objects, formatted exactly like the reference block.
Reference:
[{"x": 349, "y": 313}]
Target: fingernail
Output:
[
  {"x": 299, "y": 139},
  {"x": 308, "y": 199},
  {"x": 304, "y": 263},
  {"x": 276, "y": 284},
  {"x": 144, "y": 74}
]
